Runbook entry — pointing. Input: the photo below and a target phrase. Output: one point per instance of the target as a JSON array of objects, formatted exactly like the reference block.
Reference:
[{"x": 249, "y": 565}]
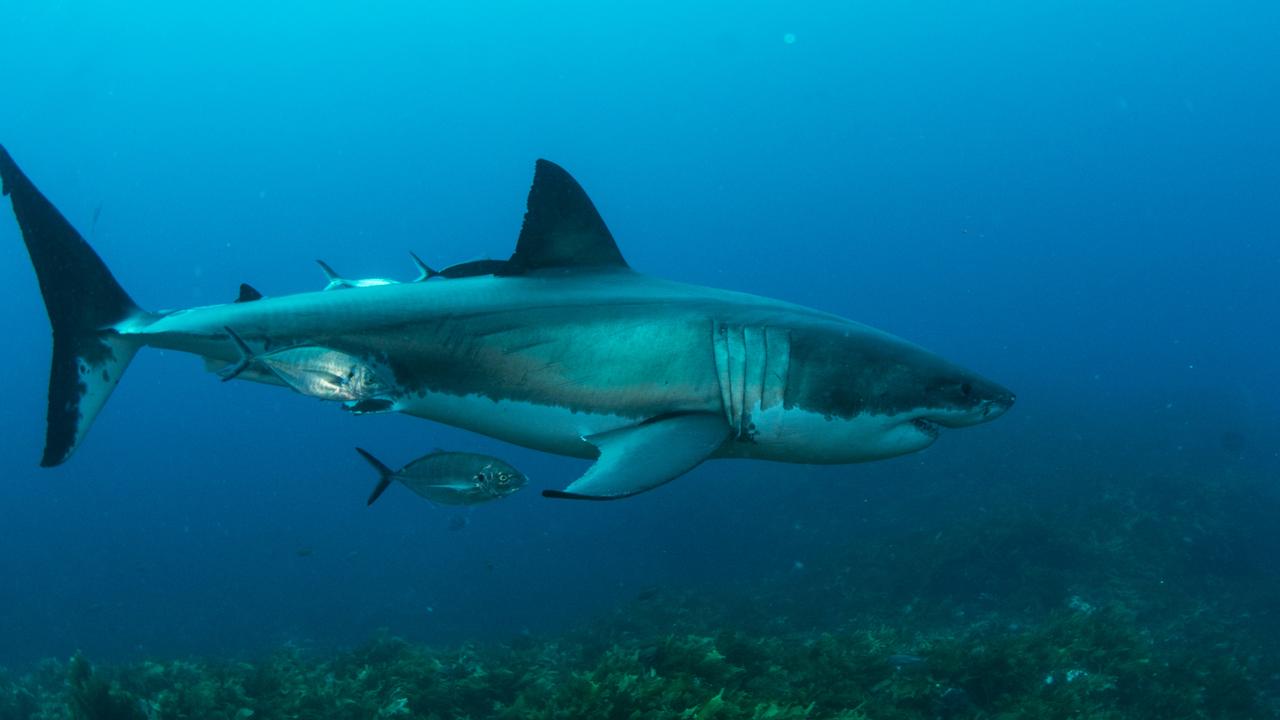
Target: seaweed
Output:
[
  {"x": 1148, "y": 599},
  {"x": 91, "y": 697},
  {"x": 16, "y": 700}
]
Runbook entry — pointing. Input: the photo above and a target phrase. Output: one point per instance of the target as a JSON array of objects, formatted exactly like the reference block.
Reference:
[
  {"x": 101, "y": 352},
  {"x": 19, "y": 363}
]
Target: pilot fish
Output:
[
  {"x": 337, "y": 282},
  {"x": 450, "y": 478},
  {"x": 317, "y": 372}
]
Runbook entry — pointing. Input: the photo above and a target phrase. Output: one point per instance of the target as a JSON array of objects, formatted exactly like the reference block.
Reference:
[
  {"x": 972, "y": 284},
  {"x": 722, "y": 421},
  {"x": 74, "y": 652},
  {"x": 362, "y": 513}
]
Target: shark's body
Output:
[{"x": 566, "y": 350}]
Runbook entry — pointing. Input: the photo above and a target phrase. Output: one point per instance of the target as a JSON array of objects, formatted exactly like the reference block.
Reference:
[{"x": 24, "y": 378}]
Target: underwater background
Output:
[{"x": 1079, "y": 200}]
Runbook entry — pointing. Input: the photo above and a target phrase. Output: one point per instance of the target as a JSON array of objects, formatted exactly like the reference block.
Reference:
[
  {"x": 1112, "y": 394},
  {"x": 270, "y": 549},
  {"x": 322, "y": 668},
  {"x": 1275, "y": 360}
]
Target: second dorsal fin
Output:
[
  {"x": 562, "y": 229},
  {"x": 248, "y": 293}
]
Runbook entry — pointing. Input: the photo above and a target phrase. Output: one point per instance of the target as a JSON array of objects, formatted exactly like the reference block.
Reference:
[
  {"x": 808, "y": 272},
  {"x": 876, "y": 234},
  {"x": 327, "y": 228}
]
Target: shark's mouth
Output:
[{"x": 926, "y": 427}]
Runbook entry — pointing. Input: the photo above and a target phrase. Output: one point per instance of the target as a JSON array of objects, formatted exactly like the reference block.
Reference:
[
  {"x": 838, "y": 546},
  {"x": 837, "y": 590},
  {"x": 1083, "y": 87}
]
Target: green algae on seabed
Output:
[
  {"x": 1077, "y": 664},
  {"x": 934, "y": 625}
]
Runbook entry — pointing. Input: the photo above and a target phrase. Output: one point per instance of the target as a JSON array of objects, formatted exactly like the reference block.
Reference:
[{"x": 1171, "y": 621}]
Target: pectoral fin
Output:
[
  {"x": 369, "y": 406},
  {"x": 642, "y": 457}
]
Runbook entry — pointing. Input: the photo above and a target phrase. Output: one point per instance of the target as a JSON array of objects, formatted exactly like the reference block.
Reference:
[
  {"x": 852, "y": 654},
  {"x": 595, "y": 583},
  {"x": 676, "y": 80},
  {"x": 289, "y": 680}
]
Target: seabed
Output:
[{"x": 1151, "y": 598}]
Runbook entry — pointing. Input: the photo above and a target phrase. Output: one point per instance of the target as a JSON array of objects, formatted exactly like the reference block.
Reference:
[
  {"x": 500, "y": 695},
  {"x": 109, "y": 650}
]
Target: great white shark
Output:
[{"x": 561, "y": 348}]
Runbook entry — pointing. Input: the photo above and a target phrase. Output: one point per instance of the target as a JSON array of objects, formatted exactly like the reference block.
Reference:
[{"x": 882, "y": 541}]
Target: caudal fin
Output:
[
  {"x": 336, "y": 281},
  {"x": 385, "y": 475},
  {"x": 425, "y": 272},
  {"x": 86, "y": 307}
]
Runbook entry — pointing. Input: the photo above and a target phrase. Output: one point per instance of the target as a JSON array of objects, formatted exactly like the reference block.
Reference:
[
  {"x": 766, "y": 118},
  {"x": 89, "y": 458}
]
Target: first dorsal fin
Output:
[{"x": 562, "y": 229}]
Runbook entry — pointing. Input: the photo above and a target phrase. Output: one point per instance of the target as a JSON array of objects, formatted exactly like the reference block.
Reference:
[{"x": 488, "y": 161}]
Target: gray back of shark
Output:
[{"x": 565, "y": 349}]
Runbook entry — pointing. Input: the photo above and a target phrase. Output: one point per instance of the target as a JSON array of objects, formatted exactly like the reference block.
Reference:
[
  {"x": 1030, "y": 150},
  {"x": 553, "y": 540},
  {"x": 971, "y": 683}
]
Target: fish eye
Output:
[
  {"x": 479, "y": 477},
  {"x": 966, "y": 389}
]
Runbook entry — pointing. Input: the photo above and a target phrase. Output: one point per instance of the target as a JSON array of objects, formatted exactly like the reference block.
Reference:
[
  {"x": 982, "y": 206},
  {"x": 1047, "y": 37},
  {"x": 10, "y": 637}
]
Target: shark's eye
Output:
[{"x": 967, "y": 389}]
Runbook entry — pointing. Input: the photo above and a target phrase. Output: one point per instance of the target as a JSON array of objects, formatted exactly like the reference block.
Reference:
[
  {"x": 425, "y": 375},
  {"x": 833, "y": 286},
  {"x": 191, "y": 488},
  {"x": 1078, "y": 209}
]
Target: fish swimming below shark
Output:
[
  {"x": 561, "y": 348},
  {"x": 450, "y": 478}
]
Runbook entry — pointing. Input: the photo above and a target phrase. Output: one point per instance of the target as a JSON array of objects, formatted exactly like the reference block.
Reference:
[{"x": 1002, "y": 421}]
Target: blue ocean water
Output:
[{"x": 1079, "y": 200}]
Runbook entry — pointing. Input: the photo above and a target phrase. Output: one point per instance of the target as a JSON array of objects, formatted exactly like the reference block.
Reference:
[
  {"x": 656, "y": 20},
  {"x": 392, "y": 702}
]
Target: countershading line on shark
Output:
[{"x": 561, "y": 348}]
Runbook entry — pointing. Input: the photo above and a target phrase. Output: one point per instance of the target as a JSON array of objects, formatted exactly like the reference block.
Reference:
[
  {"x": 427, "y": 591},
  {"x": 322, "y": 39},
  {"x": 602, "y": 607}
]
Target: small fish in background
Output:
[
  {"x": 1233, "y": 444},
  {"x": 450, "y": 478},
  {"x": 337, "y": 282},
  {"x": 906, "y": 662},
  {"x": 93, "y": 224}
]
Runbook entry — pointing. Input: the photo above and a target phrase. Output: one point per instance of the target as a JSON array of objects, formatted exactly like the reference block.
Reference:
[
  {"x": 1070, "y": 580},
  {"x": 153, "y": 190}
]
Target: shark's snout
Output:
[
  {"x": 979, "y": 401},
  {"x": 997, "y": 406}
]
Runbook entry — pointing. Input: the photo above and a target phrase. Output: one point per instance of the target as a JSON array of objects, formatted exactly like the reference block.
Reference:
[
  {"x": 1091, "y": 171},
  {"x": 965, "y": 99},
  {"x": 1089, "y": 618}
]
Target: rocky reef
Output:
[{"x": 1156, "y": 598}]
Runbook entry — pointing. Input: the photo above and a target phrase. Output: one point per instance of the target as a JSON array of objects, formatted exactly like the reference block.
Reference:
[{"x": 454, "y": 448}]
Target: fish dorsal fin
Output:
[
  {"x": 248, "y": 293},
  {"x": 562, "y": 229}
]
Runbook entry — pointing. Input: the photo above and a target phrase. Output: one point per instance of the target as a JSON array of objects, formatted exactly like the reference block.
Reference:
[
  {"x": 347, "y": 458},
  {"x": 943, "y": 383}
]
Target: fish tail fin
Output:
[
  {"x": 329, "y": 274},
  {"x": 425, "y": 272},
  {"x": 335, "y": 280},
  {"x": 231, "y": 372},
  {"x": 384, "y": 474},
  {"x": 90, "y": 313}
]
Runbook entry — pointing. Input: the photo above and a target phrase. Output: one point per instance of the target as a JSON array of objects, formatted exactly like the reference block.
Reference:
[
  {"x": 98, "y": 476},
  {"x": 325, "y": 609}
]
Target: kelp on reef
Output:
[
  {"x": 1018, "y": 614},
  {"x": 1095, "y": 664}
]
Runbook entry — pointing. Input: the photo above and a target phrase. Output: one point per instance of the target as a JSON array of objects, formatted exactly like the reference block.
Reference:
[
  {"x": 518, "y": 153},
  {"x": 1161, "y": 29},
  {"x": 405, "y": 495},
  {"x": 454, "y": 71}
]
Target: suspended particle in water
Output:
[{"x": 789, "y": 38}]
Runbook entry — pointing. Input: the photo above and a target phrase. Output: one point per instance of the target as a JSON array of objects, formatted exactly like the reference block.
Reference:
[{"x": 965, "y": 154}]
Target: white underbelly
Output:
[
  {"x": 548, "y": 428},
  {"x": 798, "y": 436}
]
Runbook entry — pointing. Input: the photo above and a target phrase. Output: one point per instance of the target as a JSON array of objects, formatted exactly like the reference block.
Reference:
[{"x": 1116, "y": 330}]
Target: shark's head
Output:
[{"x": 880, "y": 396}]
